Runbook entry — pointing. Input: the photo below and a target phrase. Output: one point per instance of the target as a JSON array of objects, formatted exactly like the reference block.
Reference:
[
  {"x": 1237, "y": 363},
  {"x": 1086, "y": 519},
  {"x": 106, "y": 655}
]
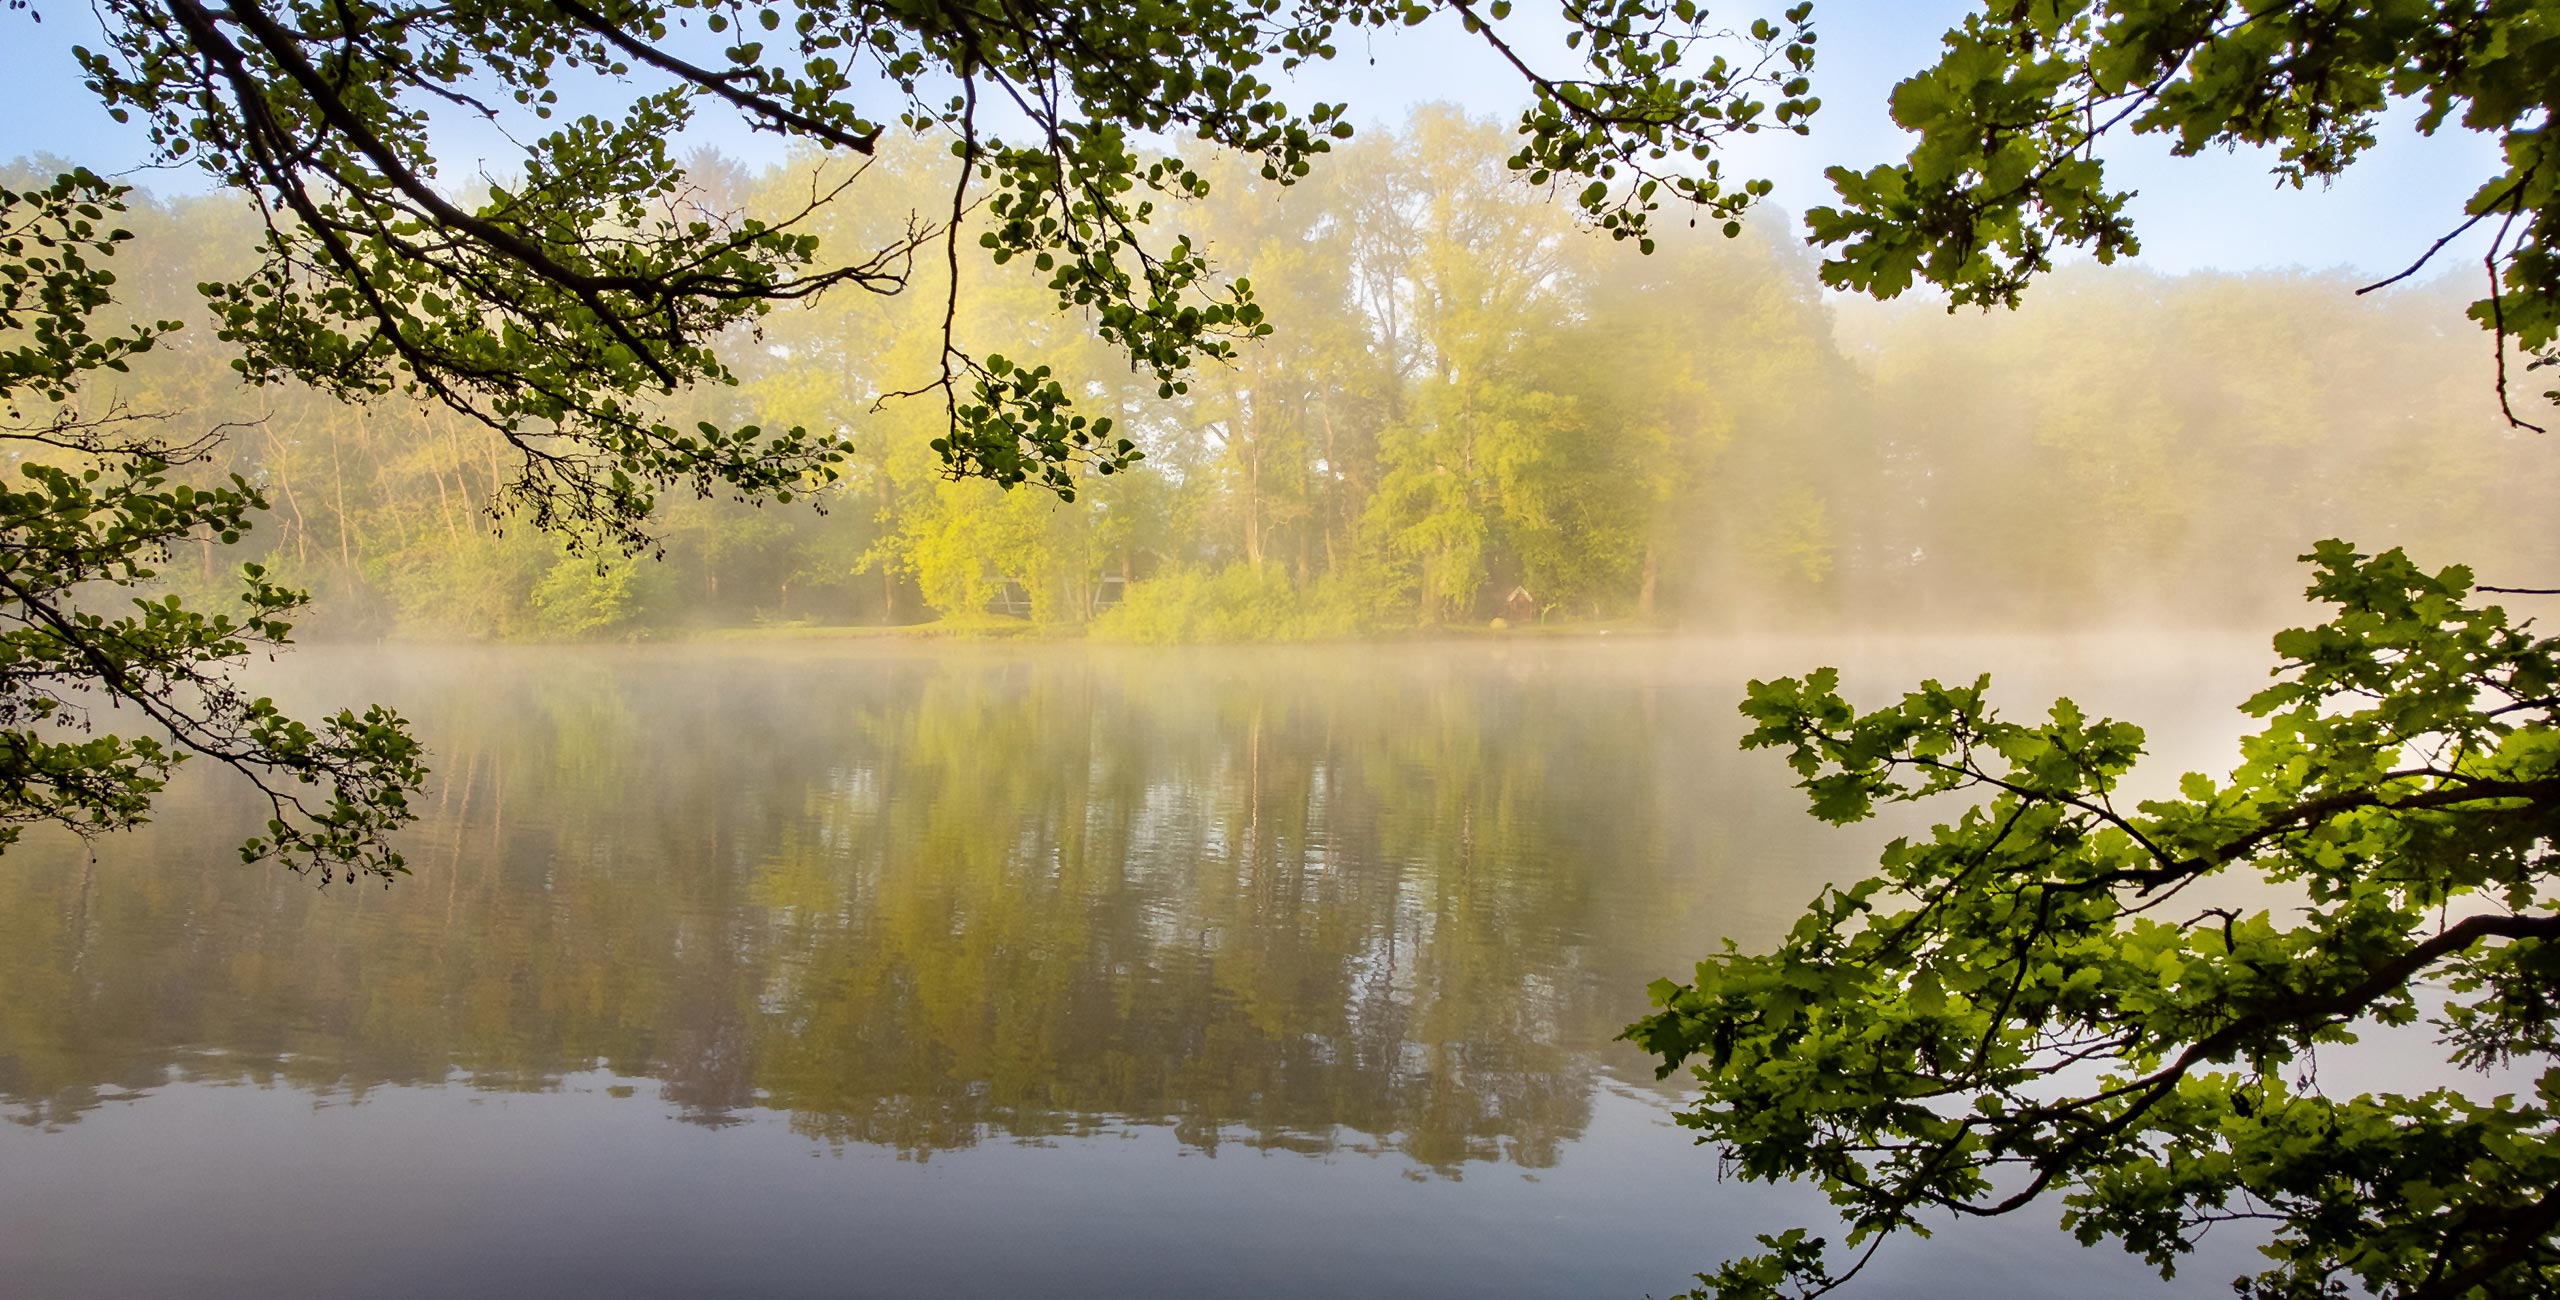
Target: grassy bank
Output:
[{"x": 998, "y": 628}]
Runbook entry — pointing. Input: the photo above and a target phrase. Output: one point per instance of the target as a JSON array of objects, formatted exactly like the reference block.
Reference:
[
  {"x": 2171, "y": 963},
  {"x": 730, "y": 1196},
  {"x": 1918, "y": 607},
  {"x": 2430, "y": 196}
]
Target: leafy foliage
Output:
[
  {"x": 2005, "y": 172},
  {"x": 1236, "y": 603},
  {"x": 97, "y": 524},
  {"x": 1682, "y": 436},
  {"x": 565, "y": 305},
  {"x": 555, "y": 307},
  {"x": 1925, "y": 1040},
  {"x": 53, "y": 276}
]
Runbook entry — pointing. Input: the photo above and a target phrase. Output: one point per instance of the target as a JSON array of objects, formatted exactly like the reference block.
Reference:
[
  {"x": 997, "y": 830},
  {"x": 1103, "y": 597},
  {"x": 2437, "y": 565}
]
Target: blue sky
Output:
[{"x": 2220, "y": 211}]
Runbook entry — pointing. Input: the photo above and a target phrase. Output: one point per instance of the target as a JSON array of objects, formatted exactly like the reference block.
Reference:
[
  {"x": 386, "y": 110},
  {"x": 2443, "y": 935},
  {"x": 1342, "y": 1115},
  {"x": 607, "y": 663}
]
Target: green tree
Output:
[
  {"x": 599, "y": 272},
  {"x": 2064, "y": 991},
  {"x": 1471, "y": 466},
  {"x": 568, "y": 306},
  {"x": 1691, "y": 444},
  {"x": 2298, "y": 409},
  {"x": 95, "y": 508},
  {"x": 2004, "y": 173}
]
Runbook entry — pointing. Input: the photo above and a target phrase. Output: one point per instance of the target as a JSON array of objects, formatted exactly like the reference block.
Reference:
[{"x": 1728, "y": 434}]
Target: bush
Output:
[
  {"x": 1236, "y": 603},
  {"x": 595, "y": 595}
]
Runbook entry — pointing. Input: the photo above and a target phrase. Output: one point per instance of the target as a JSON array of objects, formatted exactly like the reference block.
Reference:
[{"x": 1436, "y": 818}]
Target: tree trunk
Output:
[
  {"x": 1332, "y": 488},
  {"x": 338, "y": 481},
  {"x": 284, "y": 483},
  {"x": 1252, "y": 495},
  {"x": 444, "y": 507},
  {"x": 888, "y": 571}
]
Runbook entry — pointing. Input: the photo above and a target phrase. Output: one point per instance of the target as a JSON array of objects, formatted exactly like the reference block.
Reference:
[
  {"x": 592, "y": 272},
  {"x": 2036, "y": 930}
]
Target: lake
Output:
[{"x": 898, "y": 968}]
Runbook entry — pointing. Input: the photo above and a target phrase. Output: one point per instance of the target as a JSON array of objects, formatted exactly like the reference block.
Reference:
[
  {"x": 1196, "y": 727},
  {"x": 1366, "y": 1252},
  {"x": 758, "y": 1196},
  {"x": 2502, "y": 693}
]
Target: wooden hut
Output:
[{"x": 1520, "y": 606}]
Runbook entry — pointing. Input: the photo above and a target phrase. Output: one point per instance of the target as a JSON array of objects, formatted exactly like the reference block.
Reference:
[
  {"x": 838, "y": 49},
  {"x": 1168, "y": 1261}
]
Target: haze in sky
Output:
[{"x": 2222, "y": 211}]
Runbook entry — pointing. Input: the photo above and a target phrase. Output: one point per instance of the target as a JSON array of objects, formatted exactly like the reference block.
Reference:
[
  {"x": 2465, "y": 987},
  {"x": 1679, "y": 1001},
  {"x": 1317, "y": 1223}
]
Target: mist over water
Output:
[
  {"x": 802, "y": 962},
  {"x": 1088, "y": 970}
]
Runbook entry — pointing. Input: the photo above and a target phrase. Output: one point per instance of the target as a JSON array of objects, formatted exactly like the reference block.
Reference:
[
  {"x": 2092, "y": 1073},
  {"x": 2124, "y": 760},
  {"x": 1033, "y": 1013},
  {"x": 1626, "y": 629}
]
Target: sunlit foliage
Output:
[
  {"x": 595, "y": 276},
  {"x": 1923, "y": 1042},
  {"x": 2065, "y": 991},
  {"x": 90, "y": 512},
  {"x": 1694, "y": 438},
  {"x": 2006, "y": 172},
  {"x": 562, "y": 307}
]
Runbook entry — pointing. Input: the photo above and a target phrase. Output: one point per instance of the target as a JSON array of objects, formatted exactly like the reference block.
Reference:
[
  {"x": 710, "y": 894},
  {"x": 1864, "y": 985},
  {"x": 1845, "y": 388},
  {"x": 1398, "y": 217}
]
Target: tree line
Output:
[{"x": 1471, "y": 411}]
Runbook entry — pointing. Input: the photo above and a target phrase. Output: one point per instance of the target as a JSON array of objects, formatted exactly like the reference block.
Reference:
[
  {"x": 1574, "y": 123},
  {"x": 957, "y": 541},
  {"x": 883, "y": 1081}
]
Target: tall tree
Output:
[
  {"x": 598, "y": 274},
  {"x": 563, "y": 306},
  {"x": 2047, "y": 995},
  {"x": 98, "y": 508}
]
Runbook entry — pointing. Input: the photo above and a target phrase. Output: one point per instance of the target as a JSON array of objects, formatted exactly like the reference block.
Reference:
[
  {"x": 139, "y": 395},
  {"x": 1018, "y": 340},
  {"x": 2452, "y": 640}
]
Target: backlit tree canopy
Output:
[
  {"x": 2072, "y": 991},
  {"x": 561, "y": 303},
  {"x": 97, "y": 510},
  {"x": 554, "y": 301},
  {"x": 2005, "y": 171}
]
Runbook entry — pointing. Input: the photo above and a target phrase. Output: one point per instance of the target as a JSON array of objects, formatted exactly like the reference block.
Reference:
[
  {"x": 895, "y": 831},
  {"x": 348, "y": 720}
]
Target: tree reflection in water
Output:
[{"x": 1370, "y": 900}]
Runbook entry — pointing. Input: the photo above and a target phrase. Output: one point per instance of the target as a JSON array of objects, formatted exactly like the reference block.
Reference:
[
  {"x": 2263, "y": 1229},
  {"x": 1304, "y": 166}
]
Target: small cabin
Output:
[
  {"x": 1011, "y": 600},
  {"x": 1520, "y": 606}
]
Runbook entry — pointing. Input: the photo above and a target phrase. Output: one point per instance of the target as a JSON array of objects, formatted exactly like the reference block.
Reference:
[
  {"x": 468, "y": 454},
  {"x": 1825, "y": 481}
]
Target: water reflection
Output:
[{"x": 1394, "y": 903}]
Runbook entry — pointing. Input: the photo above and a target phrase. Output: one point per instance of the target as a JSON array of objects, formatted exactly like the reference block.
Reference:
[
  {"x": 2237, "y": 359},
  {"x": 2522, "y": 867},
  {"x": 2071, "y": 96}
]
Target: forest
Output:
[
  {"x": 987, "y": 348},
  {"x": 1469, "y": 410}
]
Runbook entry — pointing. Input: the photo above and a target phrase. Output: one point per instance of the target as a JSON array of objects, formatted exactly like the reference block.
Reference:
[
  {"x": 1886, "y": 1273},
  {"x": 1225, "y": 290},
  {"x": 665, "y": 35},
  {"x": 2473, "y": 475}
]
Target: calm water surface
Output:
[{"x": 889, "y": 970}]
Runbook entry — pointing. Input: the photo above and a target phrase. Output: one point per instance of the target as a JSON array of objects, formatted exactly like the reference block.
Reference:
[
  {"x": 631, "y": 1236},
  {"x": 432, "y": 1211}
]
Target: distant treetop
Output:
[
  {"x": 2005, "y": 171},
  {"x": 561, "y": 297}
]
